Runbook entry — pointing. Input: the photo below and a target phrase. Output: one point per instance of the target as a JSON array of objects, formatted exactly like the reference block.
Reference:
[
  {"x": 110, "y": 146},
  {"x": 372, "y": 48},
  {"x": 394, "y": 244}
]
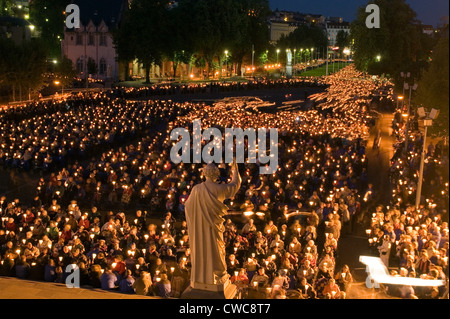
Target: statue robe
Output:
[{"x": 204, "y": 211}]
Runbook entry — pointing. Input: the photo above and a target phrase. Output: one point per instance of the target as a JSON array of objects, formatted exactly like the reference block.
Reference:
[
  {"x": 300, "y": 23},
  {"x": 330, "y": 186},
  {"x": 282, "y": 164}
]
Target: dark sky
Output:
[{"x": 428, "y": 11}]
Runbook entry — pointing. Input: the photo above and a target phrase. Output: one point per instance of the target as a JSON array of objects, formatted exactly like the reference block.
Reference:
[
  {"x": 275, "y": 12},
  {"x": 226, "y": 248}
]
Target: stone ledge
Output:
[{"x": 191, "y": 293}]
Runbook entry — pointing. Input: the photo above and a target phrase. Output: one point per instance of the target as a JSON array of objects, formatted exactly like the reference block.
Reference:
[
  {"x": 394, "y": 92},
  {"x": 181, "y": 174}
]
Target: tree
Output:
[
  {"x": 49, "y": 19},
  {"x": 122, "y": 39},
  {"x": 5, "y": 6},
  {"x": 250, "y": 29},
  {"x": 342, "y": 40},
  {"x": 142, "y": 33},
  {"x": 233, "y": 25},
  {"x": 398, "y": 45},
  {"x": 178, "y": 46},
  {"x": 152, "y": 30},
  {"x": 433, "y": 88},
  {"x": 65, "y": 72},
  {"x": 211, "y": 19},
  {"x": 304, "y": 37},
  {"x": 22, "y": 66}
]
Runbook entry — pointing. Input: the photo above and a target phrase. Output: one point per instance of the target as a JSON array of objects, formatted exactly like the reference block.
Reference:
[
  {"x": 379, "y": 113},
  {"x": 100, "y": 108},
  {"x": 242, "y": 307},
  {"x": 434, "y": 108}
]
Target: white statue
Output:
[{"x": 204, "y": 210}]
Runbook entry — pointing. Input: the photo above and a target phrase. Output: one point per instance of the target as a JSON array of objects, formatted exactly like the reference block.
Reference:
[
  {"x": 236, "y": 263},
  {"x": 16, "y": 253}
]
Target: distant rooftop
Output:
[{"x": 109, "y": 11}]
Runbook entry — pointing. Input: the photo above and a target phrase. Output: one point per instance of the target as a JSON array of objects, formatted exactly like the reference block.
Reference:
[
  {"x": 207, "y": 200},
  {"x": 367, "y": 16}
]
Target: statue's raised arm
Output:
[{"x": 233, "y": 186}]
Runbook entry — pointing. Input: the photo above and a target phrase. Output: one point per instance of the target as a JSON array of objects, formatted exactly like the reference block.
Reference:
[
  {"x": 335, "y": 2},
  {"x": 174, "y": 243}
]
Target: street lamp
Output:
[
  {"x": 278, "y": 51},
  {"x": 312, "y": 55},
  {"x": 404, "y": 76},
  {"x": 407, "y": 86},
  {"x": 295, "y": 50},
  {"x": 253, "y": 59},
  {"x": 399, "y": 98},
  {"x": 346, "y": 52},
  {"x": 62, "y": 86},
  {"x": 226, "y": 61},
  {"x": 427, "y": 121}
]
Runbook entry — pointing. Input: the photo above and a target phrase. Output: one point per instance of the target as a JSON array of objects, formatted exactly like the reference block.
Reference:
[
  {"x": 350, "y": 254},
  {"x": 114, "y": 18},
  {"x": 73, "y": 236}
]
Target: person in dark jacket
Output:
[
  {"x": 22, "y": 268},
  {"x": 108, "y": 280},
  {"x": 126, "y": 284},
  {"x": 50, "y": 271}
]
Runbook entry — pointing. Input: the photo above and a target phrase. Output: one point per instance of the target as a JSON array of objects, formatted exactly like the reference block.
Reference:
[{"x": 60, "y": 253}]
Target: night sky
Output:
[{"x": 428, "y": 11}]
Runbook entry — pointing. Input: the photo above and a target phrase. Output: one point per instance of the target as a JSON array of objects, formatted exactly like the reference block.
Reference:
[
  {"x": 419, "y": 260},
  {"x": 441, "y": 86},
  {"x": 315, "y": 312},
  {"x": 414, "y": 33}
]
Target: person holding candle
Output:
[
  {"x": 31, "y": 252},
  {"x": 331, "y": 290},
  {"x": 306, "y": 290},
  {"x": 344, "y": 278},
  {"x": 280, "y": 282},
  {"x": 163, "y": 287}
]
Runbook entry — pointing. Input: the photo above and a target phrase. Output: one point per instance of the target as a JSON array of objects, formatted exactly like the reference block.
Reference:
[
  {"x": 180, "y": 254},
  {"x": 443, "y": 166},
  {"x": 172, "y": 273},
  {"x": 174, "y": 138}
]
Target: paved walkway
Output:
[
  {"x": 13, "y": 288},
  {"x": 378, "y": 159}
]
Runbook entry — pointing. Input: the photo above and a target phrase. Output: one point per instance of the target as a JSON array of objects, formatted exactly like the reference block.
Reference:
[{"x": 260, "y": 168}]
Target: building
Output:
[
  {"x": 17, "y": 29},
  {"x": 428, "y": 29},
  {"x": 93, "y": 41},
  {"x": 333, "y": 28},
  {"x": 284, "y": 22},
  {"x": 281, "y": 28}
]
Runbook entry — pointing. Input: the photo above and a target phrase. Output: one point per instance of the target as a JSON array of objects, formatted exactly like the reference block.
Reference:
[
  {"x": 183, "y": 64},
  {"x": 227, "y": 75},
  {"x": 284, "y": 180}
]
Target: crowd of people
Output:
[
  {"x": 43, "y": 135},
  {"x": 282, "y": 230},
  {"x": 413, "y": 241},
  {"x": 216, "y": 87}
]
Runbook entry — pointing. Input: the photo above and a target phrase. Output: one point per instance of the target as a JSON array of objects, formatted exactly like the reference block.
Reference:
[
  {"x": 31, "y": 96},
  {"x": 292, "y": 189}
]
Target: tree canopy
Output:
[
  {"x": 49, "y": 18},
  {"x": 194, "y": 30},
  {"x": 433, "y": 88},
  {"x": 399, "y": 45},
  {"x": 22, "y": 65},
  {"x": 304, "y": 37}
]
